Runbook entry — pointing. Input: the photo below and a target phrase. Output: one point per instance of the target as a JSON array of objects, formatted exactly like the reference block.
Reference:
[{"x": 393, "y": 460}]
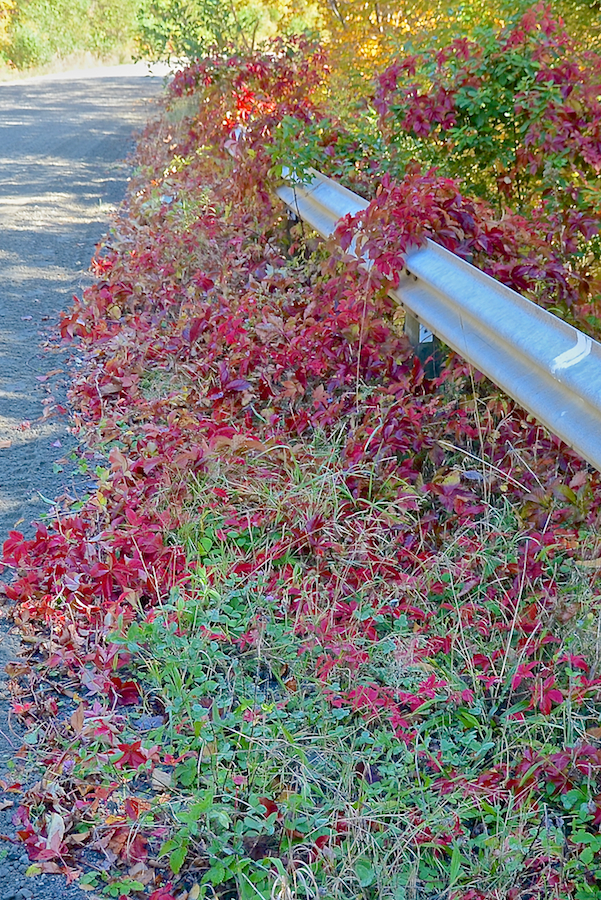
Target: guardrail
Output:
[{"x": 550, "y": 368}]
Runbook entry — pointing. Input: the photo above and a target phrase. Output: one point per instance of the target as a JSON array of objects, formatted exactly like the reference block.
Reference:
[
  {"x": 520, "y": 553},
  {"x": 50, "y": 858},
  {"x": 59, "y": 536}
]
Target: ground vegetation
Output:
[{"x": 326, "y": 626}]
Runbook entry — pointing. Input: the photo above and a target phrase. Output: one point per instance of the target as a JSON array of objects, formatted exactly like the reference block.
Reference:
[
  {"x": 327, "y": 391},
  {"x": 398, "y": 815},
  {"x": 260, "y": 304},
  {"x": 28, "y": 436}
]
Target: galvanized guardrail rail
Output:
[{"x": 550, "y": 368}]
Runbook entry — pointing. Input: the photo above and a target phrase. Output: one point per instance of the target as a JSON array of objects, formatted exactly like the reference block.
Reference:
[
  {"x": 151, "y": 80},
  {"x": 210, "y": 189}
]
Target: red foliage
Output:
[{"x": 203, "y": 342}]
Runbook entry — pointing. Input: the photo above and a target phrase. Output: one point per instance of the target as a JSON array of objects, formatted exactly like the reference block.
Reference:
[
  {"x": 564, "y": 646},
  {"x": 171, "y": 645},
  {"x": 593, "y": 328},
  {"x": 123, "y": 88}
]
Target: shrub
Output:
[{"x": 39, "y": 31}]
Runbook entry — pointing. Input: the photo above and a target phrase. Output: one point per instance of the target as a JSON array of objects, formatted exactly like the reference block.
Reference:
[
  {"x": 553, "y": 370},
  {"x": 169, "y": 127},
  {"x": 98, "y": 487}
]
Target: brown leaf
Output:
[
  {"x": 106, "y": 390},
  {"x": 55, "y": 832},
  {"x": 590, "y": 563},
  {"x": 14, "y": 669},
  {"x": 141, "y": 872},
  {"x": 161, "y": 780},
  {"x": 77, "y": 719},
  {"x": 79, "y": 838},
  {"x": 5, "y": 444},
  {"x": 48, "y": 375}
]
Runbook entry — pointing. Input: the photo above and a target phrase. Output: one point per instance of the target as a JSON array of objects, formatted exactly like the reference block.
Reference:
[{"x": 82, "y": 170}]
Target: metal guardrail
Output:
[{"x": 550, "y": 368}]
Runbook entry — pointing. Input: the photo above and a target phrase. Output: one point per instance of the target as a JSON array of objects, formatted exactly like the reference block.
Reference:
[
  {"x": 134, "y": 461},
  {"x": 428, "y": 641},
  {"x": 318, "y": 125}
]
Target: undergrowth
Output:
[{"x": 325, "y": 627}]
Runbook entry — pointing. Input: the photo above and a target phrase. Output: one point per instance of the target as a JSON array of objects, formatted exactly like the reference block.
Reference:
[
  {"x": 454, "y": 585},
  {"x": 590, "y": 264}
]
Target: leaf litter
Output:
[{"x": 296, "y": 641}]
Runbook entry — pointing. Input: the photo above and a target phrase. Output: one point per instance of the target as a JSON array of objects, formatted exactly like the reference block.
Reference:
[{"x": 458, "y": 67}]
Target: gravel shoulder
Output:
[{"x": 63, "y": 142}]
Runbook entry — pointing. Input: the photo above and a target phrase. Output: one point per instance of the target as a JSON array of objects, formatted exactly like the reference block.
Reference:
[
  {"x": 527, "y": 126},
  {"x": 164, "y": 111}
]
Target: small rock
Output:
[{"x": 25, "y": 894}]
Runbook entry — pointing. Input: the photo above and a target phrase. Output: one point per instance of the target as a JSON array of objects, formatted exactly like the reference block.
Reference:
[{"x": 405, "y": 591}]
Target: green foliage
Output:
[
  {"x": 41, "y": 31},
  {"x": 179, "y": 28},
  {"x": 510, "y": 113},
  {"x": 343, "y": 149},
  {"x": 270, "y": 764}
]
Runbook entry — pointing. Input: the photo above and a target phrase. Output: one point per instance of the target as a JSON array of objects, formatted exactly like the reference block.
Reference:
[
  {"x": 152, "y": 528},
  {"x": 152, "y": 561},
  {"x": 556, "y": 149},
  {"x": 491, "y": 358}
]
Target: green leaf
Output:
[
  {"x": 217, "y": 874},
  {"x": 176, "y": 860},
  {"x": 457, "y": 863},
  {"x": 364, "y": 872},
  {"x": 33, "y": 870}
]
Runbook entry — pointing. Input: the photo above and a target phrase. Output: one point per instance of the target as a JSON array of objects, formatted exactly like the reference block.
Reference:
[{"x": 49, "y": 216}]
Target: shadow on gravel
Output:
[{"x": 62, "y": 149}]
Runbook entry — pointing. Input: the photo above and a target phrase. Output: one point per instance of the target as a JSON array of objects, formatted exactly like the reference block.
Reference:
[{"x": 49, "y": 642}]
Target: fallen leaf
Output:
[
  {"x": 6, "y": 804},
  {"x": 5, "y": 444},
  {"x": 79, "y": 838},
  {"x": 46, "y": 867},
  {"x": 77, "y": 719},
  {"x": 48, "y": 375},
  {"x": 56, "y": 832},
  {"x": 114, "y": 820},
  {"x": 141, "y": 872},
  {"x": 14, "y": 669},
  {"x": 161, "y": 779},
  {"x": 33, "y": 870}
]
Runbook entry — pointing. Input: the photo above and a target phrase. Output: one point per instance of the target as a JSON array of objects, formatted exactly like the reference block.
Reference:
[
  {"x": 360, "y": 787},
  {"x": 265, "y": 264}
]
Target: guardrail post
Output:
[{"x": 426, "y": 345}]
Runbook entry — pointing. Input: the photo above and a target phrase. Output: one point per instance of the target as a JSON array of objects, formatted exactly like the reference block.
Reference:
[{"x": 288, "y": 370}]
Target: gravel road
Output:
[{"x": 63, "y": 142}]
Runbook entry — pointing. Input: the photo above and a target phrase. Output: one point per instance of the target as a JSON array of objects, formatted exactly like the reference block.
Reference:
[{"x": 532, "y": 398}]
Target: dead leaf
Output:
[
  {"x": 6, "y": 804},
  {"x": 80, "y": 837},
  {"x": 194, "y": 892},
  {"x": 77, "y": 719},
  {"x": 5, "y": 444},
  {"x": 161, "y": 779},
  {"x": 56, "y": 832},
  {"x": 48, "y": 375},
  {"x": 141, "y": 872},
  {"x": 590, "y": 563},
  {"x": 112, "y": 387},
  {"x": 15, "y": 669}
]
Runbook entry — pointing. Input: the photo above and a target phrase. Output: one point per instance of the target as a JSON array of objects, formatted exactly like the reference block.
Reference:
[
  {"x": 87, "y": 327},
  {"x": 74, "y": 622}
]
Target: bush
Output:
[
  {"x": 178, "y": 28},
  {"x": 39, "y": 31},
  {"x": 514, "y": 113}
]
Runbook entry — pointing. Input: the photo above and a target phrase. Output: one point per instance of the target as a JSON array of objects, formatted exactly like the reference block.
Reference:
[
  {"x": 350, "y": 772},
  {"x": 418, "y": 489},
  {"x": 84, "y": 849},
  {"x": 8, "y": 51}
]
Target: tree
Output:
[
  {"x": 34, "y": 32},
  {"x": 191, "y": 28}
]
